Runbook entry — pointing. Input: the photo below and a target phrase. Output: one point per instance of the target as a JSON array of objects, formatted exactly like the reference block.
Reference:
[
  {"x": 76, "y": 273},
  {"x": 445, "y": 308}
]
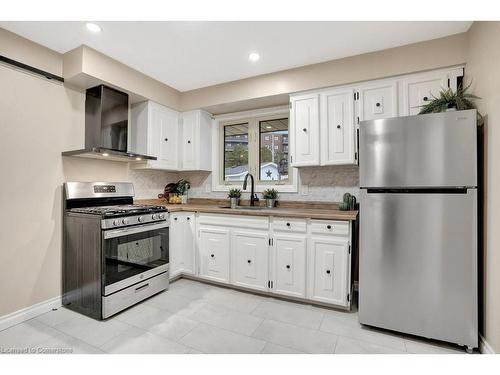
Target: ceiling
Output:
[{"x": 192, "y": 54}]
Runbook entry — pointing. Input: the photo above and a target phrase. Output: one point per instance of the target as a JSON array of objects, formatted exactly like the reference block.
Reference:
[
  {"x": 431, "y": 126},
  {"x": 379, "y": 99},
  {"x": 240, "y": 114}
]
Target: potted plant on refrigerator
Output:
[
  {"x": 182, "y": 188},
  {"x": 449, "y": 100},
  {"x": 270, "y": 195},
  {"x": 234, "y": 196}
]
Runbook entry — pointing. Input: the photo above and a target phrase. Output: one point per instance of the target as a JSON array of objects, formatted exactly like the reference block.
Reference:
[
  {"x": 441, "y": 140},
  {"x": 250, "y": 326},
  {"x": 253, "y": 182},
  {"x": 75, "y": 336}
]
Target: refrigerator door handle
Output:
[{"x": 452, "y": 190}]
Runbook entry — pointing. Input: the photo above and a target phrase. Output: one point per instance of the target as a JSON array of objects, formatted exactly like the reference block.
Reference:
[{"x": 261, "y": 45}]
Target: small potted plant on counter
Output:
[
  {"x": 270, "y": 195},
  {"x": 234, "y": 195},
  {"x": 182, "y": 188}
]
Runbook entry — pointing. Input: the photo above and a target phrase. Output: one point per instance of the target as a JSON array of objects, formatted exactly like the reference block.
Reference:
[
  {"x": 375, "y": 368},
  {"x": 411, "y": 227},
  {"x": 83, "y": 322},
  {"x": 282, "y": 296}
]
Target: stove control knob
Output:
[
  {"x": 125, "y": 221},
  {"x": 116, "y": 222},
  {"x": 154, "y": 216},
  {"x": 140, "y": 219},
  {"x": 161, "y": 216}
]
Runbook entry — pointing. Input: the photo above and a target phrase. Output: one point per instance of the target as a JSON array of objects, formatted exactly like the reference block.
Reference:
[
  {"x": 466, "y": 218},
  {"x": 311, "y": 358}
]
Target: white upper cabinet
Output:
[
  {"x": 419, "y": 89},
  {"x": 337, "y": 127},
  {"x": 196, "y": 143},
  {"x": 180, "y": 141},
  {"x": 304, "y": 127},
  {"x": 249, "y": 259},
  {"x": 155, "y": 132},
  {"x": 378, "y": 100},
  {"x": 323, "y": 123}
]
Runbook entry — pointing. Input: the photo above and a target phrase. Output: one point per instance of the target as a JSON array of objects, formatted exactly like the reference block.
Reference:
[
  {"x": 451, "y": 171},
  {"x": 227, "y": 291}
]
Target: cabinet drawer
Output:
[
  {"x": 339, "y": 228},
  {"x": 289, "y": 225}
]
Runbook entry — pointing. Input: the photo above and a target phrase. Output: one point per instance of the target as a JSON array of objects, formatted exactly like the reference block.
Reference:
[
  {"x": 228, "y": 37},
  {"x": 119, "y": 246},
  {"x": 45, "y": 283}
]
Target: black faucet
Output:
[{"x": 253, "y": 196}]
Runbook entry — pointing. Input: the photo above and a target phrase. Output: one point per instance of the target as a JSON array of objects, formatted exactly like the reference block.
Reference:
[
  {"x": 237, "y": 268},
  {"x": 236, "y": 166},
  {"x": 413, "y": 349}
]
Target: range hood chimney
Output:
[{"x": 106, "y": 126}]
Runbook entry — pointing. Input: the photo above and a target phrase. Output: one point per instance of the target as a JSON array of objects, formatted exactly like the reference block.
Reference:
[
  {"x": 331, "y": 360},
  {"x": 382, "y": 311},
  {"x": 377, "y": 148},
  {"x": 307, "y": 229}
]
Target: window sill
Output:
[{"x": 258, "y": 188}]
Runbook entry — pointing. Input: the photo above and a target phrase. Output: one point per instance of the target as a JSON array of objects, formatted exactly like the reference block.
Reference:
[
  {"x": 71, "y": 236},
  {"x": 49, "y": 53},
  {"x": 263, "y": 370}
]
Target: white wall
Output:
[{"x": 38, "y": 120}]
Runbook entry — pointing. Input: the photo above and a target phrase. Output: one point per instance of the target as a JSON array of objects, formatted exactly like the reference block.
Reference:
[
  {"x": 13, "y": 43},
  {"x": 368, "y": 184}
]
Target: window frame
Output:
[{"x": 253, "y": 119}]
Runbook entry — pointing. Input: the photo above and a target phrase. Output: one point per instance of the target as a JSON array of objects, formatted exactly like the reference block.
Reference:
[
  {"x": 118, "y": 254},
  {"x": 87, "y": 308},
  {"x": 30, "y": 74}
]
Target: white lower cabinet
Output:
[
  {"x": 328, "y": 273},
  {"x": 250, "y": 259},
  {"x": 182, "y": 244},
  {"x": 214, "y": 247},
  {"x": 289, "y": 265},
  {"x": 291, "y": 257}
]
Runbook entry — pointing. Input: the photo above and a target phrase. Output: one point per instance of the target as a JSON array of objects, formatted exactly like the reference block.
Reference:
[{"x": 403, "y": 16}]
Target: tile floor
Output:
[{"x": 193, "y": 317}]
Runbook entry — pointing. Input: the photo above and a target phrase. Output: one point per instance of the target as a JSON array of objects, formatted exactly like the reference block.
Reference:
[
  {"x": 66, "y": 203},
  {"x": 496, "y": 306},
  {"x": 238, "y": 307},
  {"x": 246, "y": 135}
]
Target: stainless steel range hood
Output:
[{"x": 106, "y": 127}]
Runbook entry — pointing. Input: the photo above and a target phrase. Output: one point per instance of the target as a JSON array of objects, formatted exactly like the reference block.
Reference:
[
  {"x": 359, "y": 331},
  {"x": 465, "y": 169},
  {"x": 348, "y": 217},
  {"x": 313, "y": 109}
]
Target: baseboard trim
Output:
[
  {"x": 484, "y": 347},
  {"x": 30, "y": 312}
]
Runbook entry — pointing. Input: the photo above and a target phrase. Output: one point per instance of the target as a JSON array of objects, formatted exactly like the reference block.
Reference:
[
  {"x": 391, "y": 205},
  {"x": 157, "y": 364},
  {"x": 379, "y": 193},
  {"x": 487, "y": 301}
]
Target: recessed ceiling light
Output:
[
  {"x": 105, "y": 154},
  {"x": 138, "y": 158},
  {"x": 95, "y": 28},
  {"x": 268, "y": 127},
  {"x": 254, "y": 56}
]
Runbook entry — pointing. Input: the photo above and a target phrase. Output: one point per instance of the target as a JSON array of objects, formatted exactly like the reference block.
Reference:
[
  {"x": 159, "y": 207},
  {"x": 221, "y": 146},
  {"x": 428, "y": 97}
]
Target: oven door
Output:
[{"x": 133, "y": 254}]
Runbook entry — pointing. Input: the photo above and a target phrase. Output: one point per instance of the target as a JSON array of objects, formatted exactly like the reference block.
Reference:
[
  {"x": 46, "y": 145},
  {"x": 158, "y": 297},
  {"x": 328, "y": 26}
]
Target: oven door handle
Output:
[{"x": 132, "y": 230}]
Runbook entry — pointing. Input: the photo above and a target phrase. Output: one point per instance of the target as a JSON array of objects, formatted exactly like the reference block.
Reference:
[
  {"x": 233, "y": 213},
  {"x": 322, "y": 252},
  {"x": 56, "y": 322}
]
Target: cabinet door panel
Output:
[
  {"x": 329, "y": 271},
  {"x": 250, "y": 259},
  {"x": 290, "y": 265},
  {"x": 214, "y": 254},
  {"x": 175, "y": 246},
  {"x": 378, "y": 101},
  {"x": 420, "y": 91},
  {"x": 305, "y": 125},
  {"x": 189, "y": 141},
  {"x": 164, "y": 137},
  {"x": 189, "y": 244},
  {"x": 337, "y": 127}
]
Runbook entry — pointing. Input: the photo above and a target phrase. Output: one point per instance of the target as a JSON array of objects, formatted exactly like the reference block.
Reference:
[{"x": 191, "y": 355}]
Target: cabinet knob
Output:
[
  {"x": 287, "y": 266},
  {"x": 338, "y": 126},
  {"x": 425, "y": 98},
  {"x": 328, "y": 272},
  {"x": 304, "y": 130},
  {"x": 175, "y": 218},
  {"x": 377, "y": 104},
  {"x": 166, "y": 139},
  {"x": 188, "y": 218},
  {"x": 328, "y": 226},
  {"x": 288, "y": 224},
  {"x": 212, "y": 255},
  {"x": 189, "y": 141},
  {"x": 249, "y": 261}
]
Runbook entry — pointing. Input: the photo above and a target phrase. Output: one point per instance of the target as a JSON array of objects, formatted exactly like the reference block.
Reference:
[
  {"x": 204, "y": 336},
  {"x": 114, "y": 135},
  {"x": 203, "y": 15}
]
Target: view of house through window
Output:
[
  {"x": 257, "y": 145},
  {"x": 235, "y": 152},
  {"x": 273, "y": 160}
]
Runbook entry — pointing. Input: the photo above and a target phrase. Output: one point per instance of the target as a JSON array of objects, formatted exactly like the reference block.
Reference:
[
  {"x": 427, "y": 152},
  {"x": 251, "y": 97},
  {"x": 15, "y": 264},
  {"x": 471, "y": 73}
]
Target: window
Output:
[
  {"x": 235, "y": 152},
  {"x": 273, "y": 161},
  {"x": 258, "y": 146}
]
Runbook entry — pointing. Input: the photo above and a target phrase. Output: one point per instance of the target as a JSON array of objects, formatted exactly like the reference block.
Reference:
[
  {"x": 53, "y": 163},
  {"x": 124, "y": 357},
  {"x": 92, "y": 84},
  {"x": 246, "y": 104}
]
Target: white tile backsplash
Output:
[{"x": 327, "y": 183}]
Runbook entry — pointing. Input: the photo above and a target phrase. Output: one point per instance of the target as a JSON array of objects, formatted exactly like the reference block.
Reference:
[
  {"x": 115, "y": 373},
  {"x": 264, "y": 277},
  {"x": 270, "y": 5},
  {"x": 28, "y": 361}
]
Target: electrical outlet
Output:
[{"x": 304, "y": 189}]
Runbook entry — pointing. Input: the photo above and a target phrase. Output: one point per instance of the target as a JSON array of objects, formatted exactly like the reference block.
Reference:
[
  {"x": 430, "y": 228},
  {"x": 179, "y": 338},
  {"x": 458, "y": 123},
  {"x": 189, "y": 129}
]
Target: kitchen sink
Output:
[{"x": 245, "y": 207}]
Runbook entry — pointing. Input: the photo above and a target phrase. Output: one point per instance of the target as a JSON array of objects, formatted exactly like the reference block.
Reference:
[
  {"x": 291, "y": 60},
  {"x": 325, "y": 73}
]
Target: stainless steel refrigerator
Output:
[{"x": 418, "y": 226}]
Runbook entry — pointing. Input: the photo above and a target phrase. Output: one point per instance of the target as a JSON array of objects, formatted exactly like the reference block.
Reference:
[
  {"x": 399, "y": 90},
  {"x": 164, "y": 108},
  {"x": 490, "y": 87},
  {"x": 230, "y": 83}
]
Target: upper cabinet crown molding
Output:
[
  {"x": 180, "y": 141},
  {"x": 323, "y": 123}
]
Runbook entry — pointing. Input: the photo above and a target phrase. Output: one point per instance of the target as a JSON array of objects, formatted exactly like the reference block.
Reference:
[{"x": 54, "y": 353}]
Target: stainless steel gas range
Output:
[{"x": 115, "y": 252}]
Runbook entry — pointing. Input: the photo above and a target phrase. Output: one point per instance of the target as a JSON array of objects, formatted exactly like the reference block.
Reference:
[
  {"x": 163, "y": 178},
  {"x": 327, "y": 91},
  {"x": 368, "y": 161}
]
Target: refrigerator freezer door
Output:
[
  {"x": 418, "y": 264},
  {"x": 433, "y": 150}
]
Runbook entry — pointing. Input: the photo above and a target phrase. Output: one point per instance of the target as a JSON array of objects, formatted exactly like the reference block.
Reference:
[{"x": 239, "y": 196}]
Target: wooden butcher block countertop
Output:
[{"x": 306, "y": 210}]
